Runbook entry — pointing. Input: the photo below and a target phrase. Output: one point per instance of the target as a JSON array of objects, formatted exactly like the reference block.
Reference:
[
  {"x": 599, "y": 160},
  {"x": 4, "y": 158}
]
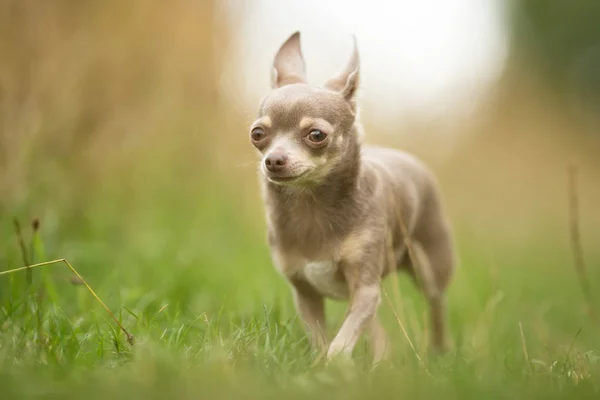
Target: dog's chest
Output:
[{"x": 325, "y": 277}]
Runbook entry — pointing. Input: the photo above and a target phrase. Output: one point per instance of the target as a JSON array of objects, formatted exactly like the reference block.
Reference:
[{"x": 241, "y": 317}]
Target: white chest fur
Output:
[{"x": 324, "y": 277}]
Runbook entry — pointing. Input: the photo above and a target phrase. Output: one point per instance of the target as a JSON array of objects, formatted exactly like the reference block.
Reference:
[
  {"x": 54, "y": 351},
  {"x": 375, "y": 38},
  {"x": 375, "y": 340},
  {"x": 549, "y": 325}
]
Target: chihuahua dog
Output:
[{"x": 341, "y": 215}]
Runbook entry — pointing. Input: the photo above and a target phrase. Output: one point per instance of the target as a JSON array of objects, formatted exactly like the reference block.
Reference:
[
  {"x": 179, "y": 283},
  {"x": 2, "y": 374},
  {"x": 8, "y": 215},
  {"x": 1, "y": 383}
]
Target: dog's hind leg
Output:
[
  {"x": 431, "y": 267},
  {"x": 379, "y": 341}
]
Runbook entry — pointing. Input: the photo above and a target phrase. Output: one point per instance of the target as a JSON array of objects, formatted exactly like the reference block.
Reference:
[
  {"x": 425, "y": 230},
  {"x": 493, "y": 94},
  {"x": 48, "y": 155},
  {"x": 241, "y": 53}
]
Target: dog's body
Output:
[{"x": 339, "y": 213}]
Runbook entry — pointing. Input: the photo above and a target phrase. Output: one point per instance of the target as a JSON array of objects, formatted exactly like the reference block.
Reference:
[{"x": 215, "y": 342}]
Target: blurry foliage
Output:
[
  {"x": 561, "y": 41},
  {"x": 105, "y": 111},
  {"x": 86, "y": 87}
]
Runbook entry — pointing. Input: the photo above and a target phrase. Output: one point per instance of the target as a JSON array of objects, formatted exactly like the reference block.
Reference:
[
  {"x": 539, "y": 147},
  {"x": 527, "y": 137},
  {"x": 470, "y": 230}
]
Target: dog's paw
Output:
[
  {"x": 337, "y": 356},
  {"x": 342, "y": 366},
  {"x": 339, "y": 359}
]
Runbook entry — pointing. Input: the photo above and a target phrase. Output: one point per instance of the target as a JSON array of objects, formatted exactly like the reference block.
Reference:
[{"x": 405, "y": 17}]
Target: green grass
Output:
[{"x": 191, "y": 279}]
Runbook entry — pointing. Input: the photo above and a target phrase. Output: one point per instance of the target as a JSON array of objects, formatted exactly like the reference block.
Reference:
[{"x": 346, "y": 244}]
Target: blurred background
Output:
[{"x": 124, "y": 129}]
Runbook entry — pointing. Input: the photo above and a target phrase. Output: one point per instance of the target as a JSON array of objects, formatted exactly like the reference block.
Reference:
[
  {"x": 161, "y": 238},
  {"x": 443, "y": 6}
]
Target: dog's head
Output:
[{"x": 303, "y": 132}]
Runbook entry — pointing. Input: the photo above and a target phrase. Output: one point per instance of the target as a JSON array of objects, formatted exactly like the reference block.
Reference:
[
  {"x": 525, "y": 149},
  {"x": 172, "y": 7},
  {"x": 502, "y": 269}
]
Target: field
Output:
[{"x": 135, "y": 186}]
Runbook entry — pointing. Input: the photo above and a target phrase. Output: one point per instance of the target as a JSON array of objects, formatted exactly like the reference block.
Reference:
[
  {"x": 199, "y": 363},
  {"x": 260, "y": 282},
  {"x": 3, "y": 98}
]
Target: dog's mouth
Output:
[{"x": 281, "y": 179}]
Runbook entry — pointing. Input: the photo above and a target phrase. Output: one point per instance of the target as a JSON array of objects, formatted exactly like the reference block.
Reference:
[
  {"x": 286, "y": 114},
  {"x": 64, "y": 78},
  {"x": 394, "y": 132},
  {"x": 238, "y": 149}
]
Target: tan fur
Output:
[
  {"x": 336, "y": 210},
  {"x": 266, "y": 121}
]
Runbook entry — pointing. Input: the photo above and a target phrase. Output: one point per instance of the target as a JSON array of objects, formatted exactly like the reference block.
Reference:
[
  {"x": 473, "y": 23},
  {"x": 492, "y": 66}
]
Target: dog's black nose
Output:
[{"x": 276, "y": 161}]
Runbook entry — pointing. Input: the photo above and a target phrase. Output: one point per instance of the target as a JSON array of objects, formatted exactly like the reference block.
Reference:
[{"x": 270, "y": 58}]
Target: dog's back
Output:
[{"x": 413, "y": 199}]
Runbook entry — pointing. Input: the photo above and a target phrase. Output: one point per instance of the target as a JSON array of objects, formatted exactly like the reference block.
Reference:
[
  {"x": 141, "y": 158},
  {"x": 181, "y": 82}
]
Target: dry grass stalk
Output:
[
  {"x": 23, "y": 249},
  {"x": 524, "y": 345},
  {"x": 130, "y": 337},
  {"x": 410, "y": 343},
  {"x": 576, "y": 246}
]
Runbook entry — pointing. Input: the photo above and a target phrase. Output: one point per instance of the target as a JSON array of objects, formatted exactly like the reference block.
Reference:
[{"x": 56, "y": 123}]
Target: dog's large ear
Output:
[
  {"x": 347, "y": 81},
  {"x": 289, "y": 66}
]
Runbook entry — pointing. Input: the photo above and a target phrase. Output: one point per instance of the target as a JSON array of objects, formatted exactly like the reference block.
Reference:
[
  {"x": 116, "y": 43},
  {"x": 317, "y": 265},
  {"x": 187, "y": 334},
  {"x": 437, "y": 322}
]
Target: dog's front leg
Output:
[
  {"x": 365, "y": 297},
  {"x": 311, "y": 309}
]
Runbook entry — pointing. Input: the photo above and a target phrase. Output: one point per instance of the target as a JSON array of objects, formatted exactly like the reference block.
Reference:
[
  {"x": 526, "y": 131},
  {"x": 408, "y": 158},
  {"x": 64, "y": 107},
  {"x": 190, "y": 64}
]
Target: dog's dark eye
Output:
[
  {"x": 257, "y": 134},
  {"x": 316, "y": 136}
]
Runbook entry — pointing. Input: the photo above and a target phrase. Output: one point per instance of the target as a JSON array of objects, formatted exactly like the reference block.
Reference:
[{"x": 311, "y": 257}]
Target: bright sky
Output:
[{"x": 416, "y": 56}]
